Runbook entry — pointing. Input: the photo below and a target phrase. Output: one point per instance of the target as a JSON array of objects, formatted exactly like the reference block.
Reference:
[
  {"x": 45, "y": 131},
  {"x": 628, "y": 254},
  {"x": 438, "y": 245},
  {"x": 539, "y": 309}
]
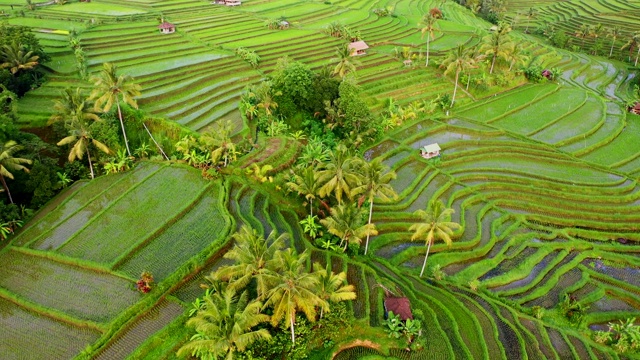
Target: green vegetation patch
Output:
[{"x": 78, "y": 292}]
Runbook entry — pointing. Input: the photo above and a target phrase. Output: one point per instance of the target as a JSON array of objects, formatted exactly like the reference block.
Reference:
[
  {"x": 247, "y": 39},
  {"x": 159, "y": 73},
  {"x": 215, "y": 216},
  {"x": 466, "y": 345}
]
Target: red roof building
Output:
[
  {"x": 167, "y": 28},
  {"x": 400, "y": 306}
]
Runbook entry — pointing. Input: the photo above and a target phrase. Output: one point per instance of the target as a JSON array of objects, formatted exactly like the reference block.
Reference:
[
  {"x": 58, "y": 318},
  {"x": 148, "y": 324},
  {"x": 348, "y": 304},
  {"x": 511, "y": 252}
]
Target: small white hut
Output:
[{"x": 430, "y": 151}]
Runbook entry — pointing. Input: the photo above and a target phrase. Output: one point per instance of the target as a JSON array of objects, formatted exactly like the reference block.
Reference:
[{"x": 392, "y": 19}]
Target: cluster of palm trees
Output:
[
  {"x": 78, "y": 112},
  {"x": 343, "y": 31},
  {"x": 267, "y": 283},
  {"x": 214, "y": 148},
  {"x": 15, "y": 58},
  {"x": 346, "y": 181},
  {"x": 498, "y": 45}
]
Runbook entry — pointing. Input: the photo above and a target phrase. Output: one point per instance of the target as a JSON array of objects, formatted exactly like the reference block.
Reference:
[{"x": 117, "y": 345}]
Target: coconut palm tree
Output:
[
  {"x": 614, "y": 33},
  {"x": 514, "y": 55},
  {"x": 346, "y": 223},
  {"x": 306, "y": 183},
  {"x": 583, "y": 32},
  {"x": 10, "y": 163},
  {"x": 294, "y": 290},
  {"x": 220, "y": 143},
  {"x": 81, "y": 139},
  {"x": 530, "y": 14},
  {"x": 111, "y": 87},
  {"x": 632, "y": 43},
  {"x": 224, "y": 326},
  {"x": 346, "y": 64},
  {"x": 496, "y": 42},
  {"x": 332, "y": 287},
  {"x": 458, "y": 60},
  {"x": 429, "y": 26},
  {"x": 339, "y": 175},
  {"x": 375, "y": 183},
  {"x": 435, "y": 225},
  {"x": 72, "y": 108},
  {"x": 16, "y": 59},
  {"x": 254, "y": 258}
]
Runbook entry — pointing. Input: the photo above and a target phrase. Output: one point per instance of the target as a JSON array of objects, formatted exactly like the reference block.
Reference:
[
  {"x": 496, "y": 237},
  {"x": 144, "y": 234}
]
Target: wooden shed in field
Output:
[{"x": 358, "y": 48}]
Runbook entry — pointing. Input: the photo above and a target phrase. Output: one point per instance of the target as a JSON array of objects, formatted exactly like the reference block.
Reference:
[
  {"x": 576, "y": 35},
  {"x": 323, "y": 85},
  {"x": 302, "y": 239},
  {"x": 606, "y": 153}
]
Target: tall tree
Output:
[
  {"x": 435, "y": 225},
  {"x": 514, "y": 55},
  {"x": 111, "y": 87},
  {"x": 458, "y": 60},
  {"x": 15, "y": 58},
  {"x": 346, "y": 63},
  {"x": 375, "y": 184},
  {"x": 306, "y": 183},
  {"x": 339, "y": 175},
  {"x": 530, "y": 14},
  {"x": 496, "y": 42},
  {"x": 346, "y": 223},
  {"x": 633, "y": 42},
  {"x": 332, "y": 287},
  {"x": 81, "y": 138},
  {"x": 10, "y": 163},
  {"x": 583, "y": 32},
  {"x": 295, "y": 289},
  {"x": 73, "y": 107},
  {"x": 614, "y": 33},
  {"x": 224, "y": 326},
  {"x": 254, "y": 258},
  {"x": 428, "y": 28}
]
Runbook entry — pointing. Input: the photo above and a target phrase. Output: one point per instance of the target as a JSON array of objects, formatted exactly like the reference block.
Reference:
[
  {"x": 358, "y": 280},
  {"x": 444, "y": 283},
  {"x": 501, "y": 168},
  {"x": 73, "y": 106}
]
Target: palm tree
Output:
[
  {"x": 346, "y": 223},
  {"x": 429, "y": 22},
  {"x": 219, "y": 140},
  {"x": 306, "y": 184},
  {"x": 458, "y": 61},
  {"x": 79, "y": 133},
  {"x": 345, "y": 62},
  {"x": 496, "y": 42},
  {"x": 332, "y": 287},
  {"x": 632, "y": 43},
  {"x": 254, "y": 258},
  {"x": 295, "y": 289},
  {"x": 530, "y": 13},
  {"x": 339, "y": 175},
  {"x": 583, "y": 32},
  {"x": 15, "y": 58},
  {"x": 435, "y": 225},
  {"x": 375, "y": 183},
  {"x": 109, "y": 88},
  {"x": 514, "y": 55},
  {"x": 614, "y": 33},
  {"x": 10, "y": 163},
  {"x": 72, "y": 108},
  {"x": 223, "y": 325}
]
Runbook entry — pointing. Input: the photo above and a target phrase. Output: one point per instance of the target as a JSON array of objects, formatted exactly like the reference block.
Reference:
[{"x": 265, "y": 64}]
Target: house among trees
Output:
[
  {"x": 358, "y": 48},
  {"x": 430, "y": 151},
  {"x": 167, "y": 28},
  {"x": 399, "y": 306},
  {"x": 635, "y": 109},
  {"x": 548, "y": 74},
  {"x": 408, "y": 62}
]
